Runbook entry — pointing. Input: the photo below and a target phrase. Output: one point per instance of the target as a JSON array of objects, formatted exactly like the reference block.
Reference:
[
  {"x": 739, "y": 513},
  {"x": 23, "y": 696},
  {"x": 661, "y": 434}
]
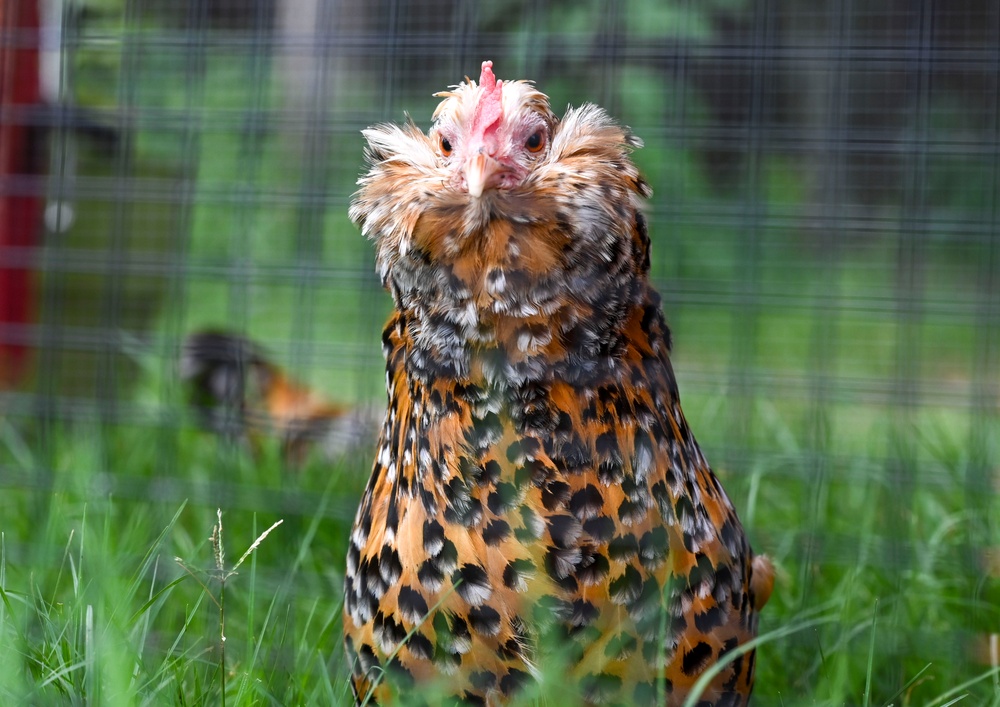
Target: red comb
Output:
[
  {"x": 489, "y": 108},
  {"x": 486, "y": 79}
]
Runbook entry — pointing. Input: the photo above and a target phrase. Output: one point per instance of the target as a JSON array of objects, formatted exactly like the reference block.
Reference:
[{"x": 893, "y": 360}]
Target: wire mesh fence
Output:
[{"x": 826, "y": 182}]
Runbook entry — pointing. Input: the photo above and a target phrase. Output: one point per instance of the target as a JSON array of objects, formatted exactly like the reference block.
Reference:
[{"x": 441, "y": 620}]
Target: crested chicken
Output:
[
  {"x": 537, "y": 495},
  {"x": 240, "y": 394}
]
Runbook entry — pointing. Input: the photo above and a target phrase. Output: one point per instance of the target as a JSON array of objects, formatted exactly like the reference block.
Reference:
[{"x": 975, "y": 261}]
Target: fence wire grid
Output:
[{"x": 825, "y": 229}]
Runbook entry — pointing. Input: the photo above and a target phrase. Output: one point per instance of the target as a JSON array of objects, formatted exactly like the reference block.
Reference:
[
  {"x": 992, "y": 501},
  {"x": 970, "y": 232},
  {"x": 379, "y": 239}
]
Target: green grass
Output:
[
  {"x": 110, "y": 600},
  {"x": 877, "y": 516},
  {"x": 112, "y": 589}
]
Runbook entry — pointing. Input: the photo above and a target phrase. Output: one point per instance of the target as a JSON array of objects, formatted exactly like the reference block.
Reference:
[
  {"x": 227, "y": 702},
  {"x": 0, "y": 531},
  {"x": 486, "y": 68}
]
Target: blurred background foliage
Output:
[{"x": 825, "y": 235}]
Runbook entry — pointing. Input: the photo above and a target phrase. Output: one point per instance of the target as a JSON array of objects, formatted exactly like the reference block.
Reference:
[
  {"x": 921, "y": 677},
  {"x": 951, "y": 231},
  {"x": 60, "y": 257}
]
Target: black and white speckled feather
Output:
[{"x": 535, "y": 484}]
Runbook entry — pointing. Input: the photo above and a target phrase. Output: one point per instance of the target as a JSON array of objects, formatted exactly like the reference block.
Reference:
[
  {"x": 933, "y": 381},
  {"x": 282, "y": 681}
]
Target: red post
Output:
[{"x": 20, "y": 208}]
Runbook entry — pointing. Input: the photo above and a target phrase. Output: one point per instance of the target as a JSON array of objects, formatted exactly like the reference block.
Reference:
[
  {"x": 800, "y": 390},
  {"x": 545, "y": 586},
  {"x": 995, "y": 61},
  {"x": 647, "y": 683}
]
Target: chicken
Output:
[
  {"x": 536, "y": 493},
  {"x": 239, "y": 394}
]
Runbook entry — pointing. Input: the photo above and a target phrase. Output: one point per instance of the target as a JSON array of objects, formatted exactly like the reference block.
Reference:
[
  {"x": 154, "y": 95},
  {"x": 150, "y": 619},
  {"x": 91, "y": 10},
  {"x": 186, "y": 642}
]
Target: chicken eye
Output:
[
  {"x": 535, "y": 142},
  {"x": 445, "y": 146}
]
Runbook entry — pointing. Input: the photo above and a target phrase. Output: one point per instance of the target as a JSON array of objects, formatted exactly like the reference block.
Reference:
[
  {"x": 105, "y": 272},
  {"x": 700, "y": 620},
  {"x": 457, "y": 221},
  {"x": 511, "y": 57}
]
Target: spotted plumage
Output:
[{"x": 536, "y": 490}]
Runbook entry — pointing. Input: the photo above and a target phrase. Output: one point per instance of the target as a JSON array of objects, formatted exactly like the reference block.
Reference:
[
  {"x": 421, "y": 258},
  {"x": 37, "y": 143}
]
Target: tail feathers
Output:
[
  {"x": 238, "y": 393},
  {"x": 761, "y": 580}
]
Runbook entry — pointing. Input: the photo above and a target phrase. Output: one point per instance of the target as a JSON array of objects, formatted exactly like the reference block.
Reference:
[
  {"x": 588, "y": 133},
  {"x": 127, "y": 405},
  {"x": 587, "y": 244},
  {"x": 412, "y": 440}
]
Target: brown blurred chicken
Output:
[
  {"x": 239, "y": 394},
  {"x": 536, "y": 491}
]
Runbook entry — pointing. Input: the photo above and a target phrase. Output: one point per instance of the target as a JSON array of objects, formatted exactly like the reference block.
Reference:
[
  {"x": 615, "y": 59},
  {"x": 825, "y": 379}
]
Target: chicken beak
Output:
[{"x": 481, "y": 172}]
